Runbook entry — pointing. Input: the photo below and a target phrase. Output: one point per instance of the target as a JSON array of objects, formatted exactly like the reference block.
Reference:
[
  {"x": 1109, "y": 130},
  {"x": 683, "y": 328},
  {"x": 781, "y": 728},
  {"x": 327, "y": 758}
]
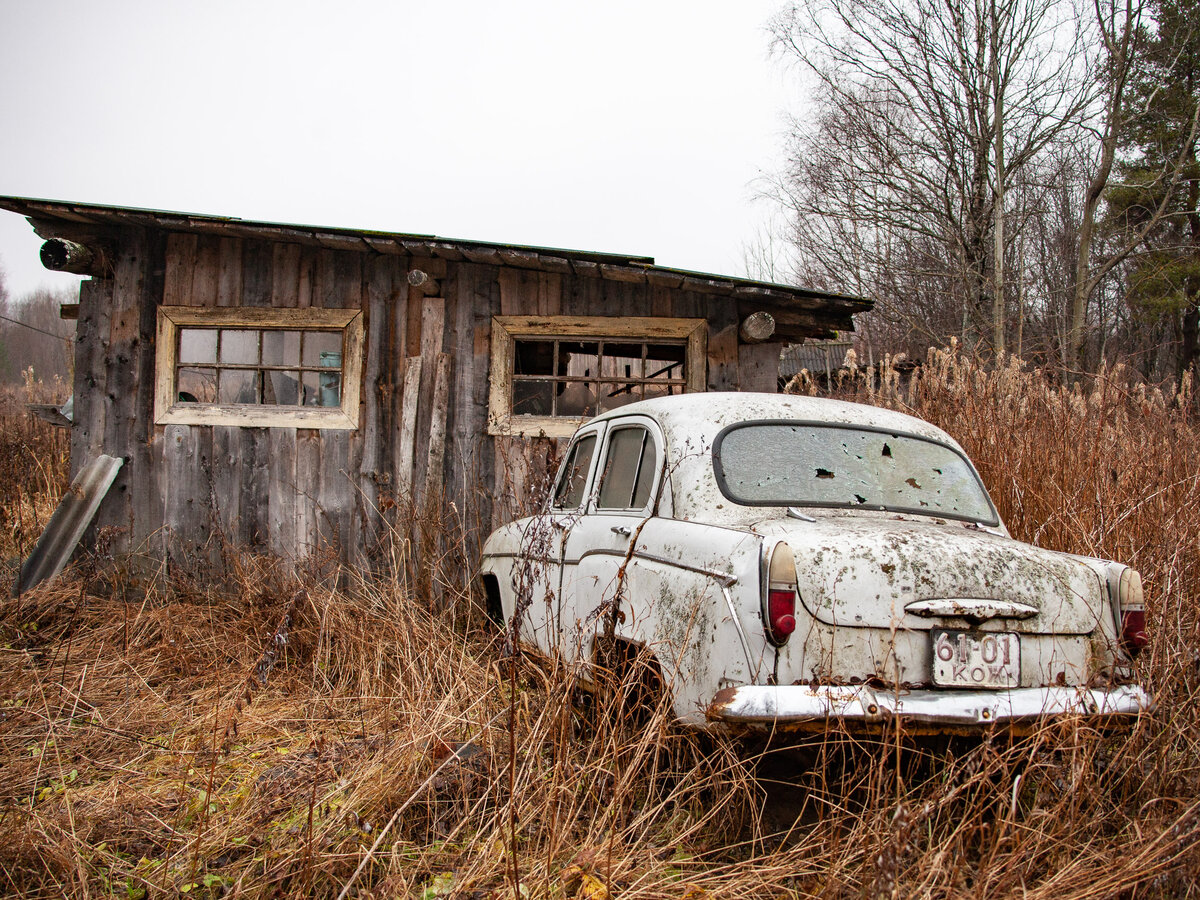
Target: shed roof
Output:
[{"x": 56, "y": 218}]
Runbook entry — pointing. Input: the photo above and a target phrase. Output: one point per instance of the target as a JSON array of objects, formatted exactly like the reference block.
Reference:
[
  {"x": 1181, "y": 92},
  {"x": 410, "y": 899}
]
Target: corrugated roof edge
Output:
[{"x": 346, "y": 238}]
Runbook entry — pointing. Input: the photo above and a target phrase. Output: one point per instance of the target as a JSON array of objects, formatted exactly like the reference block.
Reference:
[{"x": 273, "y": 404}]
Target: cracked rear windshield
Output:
[{"x": 801, "y": 464}]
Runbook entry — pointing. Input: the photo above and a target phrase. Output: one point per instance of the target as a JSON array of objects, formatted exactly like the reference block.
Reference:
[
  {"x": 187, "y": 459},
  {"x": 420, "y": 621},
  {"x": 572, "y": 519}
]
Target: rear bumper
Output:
[{"x": 813, "y": 708}]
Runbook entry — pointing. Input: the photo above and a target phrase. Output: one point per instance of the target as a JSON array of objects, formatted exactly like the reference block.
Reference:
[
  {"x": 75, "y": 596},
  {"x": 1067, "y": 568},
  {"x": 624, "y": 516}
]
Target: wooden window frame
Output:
[
  {"x": 506, "y": 329},
  {"x": 169, "y": 411}
]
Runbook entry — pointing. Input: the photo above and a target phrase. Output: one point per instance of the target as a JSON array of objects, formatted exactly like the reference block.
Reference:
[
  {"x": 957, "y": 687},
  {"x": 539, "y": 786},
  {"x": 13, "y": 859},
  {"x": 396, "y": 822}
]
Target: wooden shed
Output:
[{"x": 283, "y": 387}]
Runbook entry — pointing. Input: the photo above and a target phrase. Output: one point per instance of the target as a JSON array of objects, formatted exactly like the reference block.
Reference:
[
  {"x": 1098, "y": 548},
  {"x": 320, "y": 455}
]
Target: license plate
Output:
[{"x": 974, "y": 659}]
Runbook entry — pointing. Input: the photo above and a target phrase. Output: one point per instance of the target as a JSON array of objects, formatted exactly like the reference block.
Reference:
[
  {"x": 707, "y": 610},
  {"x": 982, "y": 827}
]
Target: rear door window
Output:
[{"x": 629, "y": 468}]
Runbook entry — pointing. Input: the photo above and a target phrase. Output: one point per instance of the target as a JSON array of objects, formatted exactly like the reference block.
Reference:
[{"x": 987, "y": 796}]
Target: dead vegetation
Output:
[{"x": 277, "y": 735}]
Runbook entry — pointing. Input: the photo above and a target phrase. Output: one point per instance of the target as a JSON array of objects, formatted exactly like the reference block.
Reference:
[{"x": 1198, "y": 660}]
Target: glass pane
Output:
[
  {"x": 309, "y": 390},
  {"x": 197, "y": 345},
  {"x": 237, "y": 386},
  {"x": 281, "y": 348},
  {"x": 578, "y": 358},
  {"x": 198, "y": 385},
  {"x": 532, "y": 398},
  {"x": 646, "y": 473},
  {"x": 843, "y": 466},
  {"x": 329, "y": 388},
  {"x": 239, "y": 347},
  {"x": 614, "y": 395},
  {"x": 621, "y": 361},
  {"x": 568, "y": 494},
  {"x": 533, "y": 358},
  {"x": 321, "y": 348},
  {"x": 281, "y": 388},
  {"x": 665, "y": 361},
  {"x": 621, "y": 468}
]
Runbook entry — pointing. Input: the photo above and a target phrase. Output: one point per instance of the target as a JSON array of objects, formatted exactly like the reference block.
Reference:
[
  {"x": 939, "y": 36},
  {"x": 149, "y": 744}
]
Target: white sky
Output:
[{"x": 633, "y": 127}]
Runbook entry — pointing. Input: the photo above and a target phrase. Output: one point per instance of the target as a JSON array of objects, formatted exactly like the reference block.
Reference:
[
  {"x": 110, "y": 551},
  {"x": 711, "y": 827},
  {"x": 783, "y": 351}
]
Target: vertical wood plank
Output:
[
  {"x": 406, "y": 436},
  {"x": 180, "y": 267},
  {"x": 377, "y": 400},
  {"x": 335, "y": 493},
  {"x": 758, "y": 367},
  {"x": 186, "y": 495},
  {"x": 229, "y": 272},
  {"x": 722, "y": 358},
  {"x": 305, "y": 285},
  {"x": 436, "y": 460},
  {"x": 122, "y": 357},
  {"x": 206, "y": 271},
  {"x": 282, "y": 489},
  {"x": 308, "y": 480},
  {"x": 227, "y": 466},
  {"x": 91, "y": 375},
  {"x": 433, "y": 324},
  {"x": 255, "y": 461},
  {"x": 285, "y": 276}
]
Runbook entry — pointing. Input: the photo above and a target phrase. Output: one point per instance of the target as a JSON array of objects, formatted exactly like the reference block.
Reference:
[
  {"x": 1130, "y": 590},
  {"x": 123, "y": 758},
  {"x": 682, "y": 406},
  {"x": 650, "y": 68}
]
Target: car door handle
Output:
[{"x": 621, "y": 530}]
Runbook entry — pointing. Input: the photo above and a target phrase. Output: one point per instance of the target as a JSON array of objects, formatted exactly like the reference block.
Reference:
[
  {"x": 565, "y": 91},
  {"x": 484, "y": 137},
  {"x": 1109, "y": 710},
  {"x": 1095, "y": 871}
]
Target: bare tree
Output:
[
  {"x": 928, "y": 111},
  {"x": 32, "y": 334}
]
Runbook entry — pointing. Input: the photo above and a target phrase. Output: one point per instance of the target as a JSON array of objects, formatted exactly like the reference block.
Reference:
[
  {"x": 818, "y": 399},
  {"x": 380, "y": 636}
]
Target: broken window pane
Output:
[
  {"x": 575, "y": 398},
  {"x": 621, "y": 361},
  {"x": 665, "y": 361},
  {"x": 198, "y": 385},
  {"x": 578, "y": 358},
  {"x": 533, "y": 358},
  {"x": 282, "y": 388},
  {"x": 815, "y": 465},
  {"x": 533, "y": 398},
  {"x": 614, "y": 395}
]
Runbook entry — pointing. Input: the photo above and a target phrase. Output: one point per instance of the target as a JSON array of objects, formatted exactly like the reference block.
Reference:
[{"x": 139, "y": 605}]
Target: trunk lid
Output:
[{"x": 864, "y": 571}]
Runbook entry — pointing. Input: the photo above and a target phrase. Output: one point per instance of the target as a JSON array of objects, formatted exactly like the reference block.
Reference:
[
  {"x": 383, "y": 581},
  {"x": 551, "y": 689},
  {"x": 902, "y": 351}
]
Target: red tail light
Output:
[
  {"x": 1133, "y": 631},
  {"x": 781, "y": 614}
]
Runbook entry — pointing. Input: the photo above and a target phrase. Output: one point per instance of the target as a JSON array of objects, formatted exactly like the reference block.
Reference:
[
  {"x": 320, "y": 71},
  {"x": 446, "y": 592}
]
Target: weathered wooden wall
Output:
[{"x": 422, "y": 441}]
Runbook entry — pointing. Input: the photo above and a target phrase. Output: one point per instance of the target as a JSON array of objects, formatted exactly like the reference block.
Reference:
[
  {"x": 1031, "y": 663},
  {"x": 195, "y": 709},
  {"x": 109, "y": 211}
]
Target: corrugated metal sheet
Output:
[
  {"x": 819, "y": 357},
  {"x": 75, "y": 512}
]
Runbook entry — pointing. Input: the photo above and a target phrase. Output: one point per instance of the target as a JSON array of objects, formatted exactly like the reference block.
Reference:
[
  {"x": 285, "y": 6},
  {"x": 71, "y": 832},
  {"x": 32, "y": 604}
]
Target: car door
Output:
[
  {"x": 622, "y": 497},
  {"x": 540, "y": 586}
]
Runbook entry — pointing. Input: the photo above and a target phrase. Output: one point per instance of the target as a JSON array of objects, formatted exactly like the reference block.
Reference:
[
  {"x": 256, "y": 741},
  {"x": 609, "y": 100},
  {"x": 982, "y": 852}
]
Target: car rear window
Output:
[{"x": 814, "y": 464}]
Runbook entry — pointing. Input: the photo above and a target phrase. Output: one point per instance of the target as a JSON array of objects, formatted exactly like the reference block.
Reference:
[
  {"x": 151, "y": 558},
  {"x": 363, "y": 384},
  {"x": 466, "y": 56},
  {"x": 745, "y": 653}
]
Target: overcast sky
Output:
[{"x": 634, "y": 127}]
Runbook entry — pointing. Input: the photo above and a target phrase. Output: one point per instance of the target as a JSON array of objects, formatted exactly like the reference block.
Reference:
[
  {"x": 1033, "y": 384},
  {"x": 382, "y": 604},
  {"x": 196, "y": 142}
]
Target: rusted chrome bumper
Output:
[{"x": 807, "y": 707}]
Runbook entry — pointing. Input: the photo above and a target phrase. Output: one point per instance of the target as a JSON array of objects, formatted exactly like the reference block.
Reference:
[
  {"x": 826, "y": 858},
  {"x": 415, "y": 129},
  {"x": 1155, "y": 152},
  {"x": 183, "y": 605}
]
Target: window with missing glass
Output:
[
  {"x": 551, "y": 372},
  {"x": 261, "y": 367}
]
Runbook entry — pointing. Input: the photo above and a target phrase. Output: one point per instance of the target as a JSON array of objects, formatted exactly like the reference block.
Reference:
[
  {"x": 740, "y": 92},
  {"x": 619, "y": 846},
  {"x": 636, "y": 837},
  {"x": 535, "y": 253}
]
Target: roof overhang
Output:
[{"x": 799, "y": 312}]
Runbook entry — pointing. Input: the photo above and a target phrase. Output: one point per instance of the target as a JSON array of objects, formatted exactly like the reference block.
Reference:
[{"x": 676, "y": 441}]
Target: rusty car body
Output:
[{"x": 791, "y": 562}]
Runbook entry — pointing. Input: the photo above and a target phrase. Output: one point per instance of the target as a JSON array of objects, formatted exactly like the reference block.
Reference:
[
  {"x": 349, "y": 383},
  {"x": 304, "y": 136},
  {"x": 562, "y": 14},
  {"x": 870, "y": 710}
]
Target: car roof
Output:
[{"x": 709, "y": 412}]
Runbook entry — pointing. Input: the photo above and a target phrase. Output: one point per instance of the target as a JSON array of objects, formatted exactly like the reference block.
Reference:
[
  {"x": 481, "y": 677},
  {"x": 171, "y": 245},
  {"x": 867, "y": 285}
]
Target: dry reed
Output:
[{"x": 255, "y": 740}]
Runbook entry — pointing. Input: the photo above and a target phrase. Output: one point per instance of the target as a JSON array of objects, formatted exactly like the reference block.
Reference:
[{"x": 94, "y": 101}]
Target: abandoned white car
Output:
[{"x": 793, "y": 562}]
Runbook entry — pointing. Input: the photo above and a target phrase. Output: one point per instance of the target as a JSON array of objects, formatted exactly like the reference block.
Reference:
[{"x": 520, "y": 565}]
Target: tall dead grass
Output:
[
  {"x": 296, "y": 733},
  {"x": 34, "y": 460}
]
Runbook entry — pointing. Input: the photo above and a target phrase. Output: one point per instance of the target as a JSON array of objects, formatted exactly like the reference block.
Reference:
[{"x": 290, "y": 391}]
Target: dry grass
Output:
[
  {"x": 261, "y": 738},
  {"x": 34, "y": 457}
]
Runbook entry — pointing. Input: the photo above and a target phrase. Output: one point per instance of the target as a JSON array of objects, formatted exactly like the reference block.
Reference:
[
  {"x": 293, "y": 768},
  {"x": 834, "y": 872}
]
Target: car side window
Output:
[
  {"x": 628, "y": 475},
  {"x": 572, "y": 481}
]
